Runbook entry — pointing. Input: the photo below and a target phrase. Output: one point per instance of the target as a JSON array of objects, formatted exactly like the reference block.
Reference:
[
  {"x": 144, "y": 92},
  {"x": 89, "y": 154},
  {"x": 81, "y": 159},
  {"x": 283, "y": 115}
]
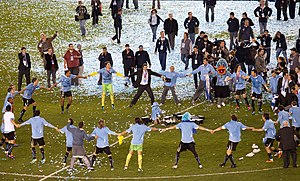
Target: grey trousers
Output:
[
  {"x": 262, "y": 27},
  {"x": 165, "y": 92},
  {"x": 82, "y": 27},
  {"x": 50, "y": 73},
  {"x": 171, "y": 37},
  {"x": 232, "y": 36}
]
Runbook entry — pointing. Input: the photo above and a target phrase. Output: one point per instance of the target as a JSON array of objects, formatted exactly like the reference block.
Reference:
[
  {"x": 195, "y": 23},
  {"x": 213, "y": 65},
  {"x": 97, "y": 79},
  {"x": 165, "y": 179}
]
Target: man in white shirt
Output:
[{"x": 9, "y": 130}]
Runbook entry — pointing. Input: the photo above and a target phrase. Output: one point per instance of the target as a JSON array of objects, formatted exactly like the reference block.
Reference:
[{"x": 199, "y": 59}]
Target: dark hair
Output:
[
  {"x": 71, "y": 121},
  {"x": 244, "y": 13},
  {"x": 254, "y": 70},
  {"x": 292, "y": 76},
  {"x": 101, "y": 123},
  {"x": 285, "y": 72},
  {"x": 154, "y": 10},
  {"x": 236, "y": 67},
  {"x": 266, "y": 115},
  {"x": 196, "y": 46},
  {"x": 80, "y": 124},
  {"x": 186, "y": 33},
  {"x": 9, "y": 89},
  {"x": 23, "y": 48},
  {"x": 260, "y": 49},
  {"x": 8, "y": 108},
  {"x": 273, "y": 71},
  {"x": 232, "y": 13},
  {"x": 70, "y": 44},
  {"x": 294, "y": 103},
  {"x": 205, "y": 36},
  {"x": 107, "y": 62},
  {"x": 127, "y": 45},
  {"x": 138, "y": 120},
  {"x": 266, "y": 31},
  {"x": 33, "y": 80},
  {"x": 37, "y": 112},
  {"x": 66, "y": 71},
  {"x": 9, "y": 99},
  {"x": 281, "y": 108},
  {"x": 104, "y": 48},
  {"x": 145, "y": 65},
  {"x": 205, "y": 59},
  {"x": 233, "y": 117},
  {"x": 282, "y": 59}
]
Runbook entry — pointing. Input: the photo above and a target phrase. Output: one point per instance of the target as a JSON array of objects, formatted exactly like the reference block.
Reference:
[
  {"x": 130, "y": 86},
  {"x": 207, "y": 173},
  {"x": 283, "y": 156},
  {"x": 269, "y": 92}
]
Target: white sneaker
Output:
[
  {"x": 219, "y": 106},
  {"x": 43, "y": 161},
  {"x": 254, "y": 146},
  {"x": 223, "y": 104},
  {"x": 174, "y": 166},
  {"x": 179, "y": 104},
  {"x": 200, "y": 166},
  {"x": 33, "y": 161},
  {"x": 256, "y": 150},
  {"x": 125, "y": 168},
  {"x": 140, "y": 170},
  {"x": 250, "y": 154}
]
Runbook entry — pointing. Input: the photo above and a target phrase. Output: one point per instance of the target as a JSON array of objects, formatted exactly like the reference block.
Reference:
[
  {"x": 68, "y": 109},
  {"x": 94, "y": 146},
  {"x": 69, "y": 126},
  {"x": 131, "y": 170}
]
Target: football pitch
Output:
[{"x": 22, "y": 23}]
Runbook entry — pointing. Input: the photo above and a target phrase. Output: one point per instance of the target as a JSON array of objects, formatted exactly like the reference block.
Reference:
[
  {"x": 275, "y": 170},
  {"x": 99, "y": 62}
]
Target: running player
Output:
[
  {"x": 234, "y": 128},
  {"x": 27, "y": 96},
  {"x": 187, "y": 142},
  {"x": 65, "y": 90},
  {"x": 102, "y": 145},
  {"x": 269, "y": 138},
  {"x": 138, "y": 130},
  {"x": 37, "y": 134}
]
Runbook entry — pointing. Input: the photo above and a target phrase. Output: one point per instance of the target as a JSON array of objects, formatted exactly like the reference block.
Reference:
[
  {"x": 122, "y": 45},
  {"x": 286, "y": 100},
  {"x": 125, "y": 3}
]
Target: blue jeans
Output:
[
  {"x": 185, "y": 60},
  {"x": 162, "y": 59},
  {"x": 82, "y": 27},
  {"x": 278, "y": 51},
  {"x": 192, "y": 37},
  {"x": 154, "y": 30}
]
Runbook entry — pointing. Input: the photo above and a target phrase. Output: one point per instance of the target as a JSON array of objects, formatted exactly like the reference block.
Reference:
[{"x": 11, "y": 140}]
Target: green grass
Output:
[{"x": 159, "y": 149}]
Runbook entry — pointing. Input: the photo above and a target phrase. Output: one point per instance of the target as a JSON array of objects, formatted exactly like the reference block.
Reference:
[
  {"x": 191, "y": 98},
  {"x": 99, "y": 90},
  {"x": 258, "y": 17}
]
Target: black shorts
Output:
[
  {"x": 232, "y": 145},
  {"x": 186, "y": 146},
  {"x": 39, "y": 141},
  {"x": 240, "y": 92},
  {"x": 69, "y": 149},
  {"x": 66, "y": 94},
  {"x": 257, "y": 96},
  {"x": 106, "y": 150},
  {"x": 27, "y": 102},
  {"x": 269, "y": 142},
  {"x": 9, "y": 136},
  {"x": 222, "y": 91}
]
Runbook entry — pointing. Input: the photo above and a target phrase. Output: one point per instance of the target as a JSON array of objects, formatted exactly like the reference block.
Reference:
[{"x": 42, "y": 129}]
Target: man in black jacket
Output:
[
  {"x": 104, "y": 57},
  {"x": 244, "y": 18},
  {"x": 51, "y": 66},
  {"x": 24, "y": 67},
  {"x": 162, "y": 46},
  {"x": 265, "y": 41},
  {"x": 141, "y": 57},
  {"x": 281, "y": 5},
  {"x": 298, "y": 40},
  {"x": 143, "y": 83},
  {"x": 197, "y": 60},
  {"x": 118, "y": 26},
  {"x": 171, "y": 29},
  {"x": 233, "y": 28},
  {"x": 128, "y": 62},
  {"x": 246, "y": 32},
  {"x": 191, "y": 23},
  {"x": 283, "y": 89},
  {"x": 286, "y": 136},
  {"x": 281, "y": 45},
  {"x": 263, "y": 12},
  {"x": 210, "y": 4},
  {"x": 205, "y": 45}
]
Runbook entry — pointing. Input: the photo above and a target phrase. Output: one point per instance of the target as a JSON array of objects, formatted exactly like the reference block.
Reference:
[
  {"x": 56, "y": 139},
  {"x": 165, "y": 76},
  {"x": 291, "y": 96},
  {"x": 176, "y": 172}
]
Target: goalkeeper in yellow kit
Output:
[{"x": 107, "y": 72}]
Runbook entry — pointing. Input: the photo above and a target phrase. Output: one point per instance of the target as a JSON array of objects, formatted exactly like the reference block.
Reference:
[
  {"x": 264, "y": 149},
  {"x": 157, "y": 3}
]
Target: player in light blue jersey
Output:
[
  {"x": 102, "y": 144},
  {"x": 234, "y": 128},
  {"x": 138, "y": 131},
  {"x": 270, "y": 133},
  {"x": 187, "y": 142}
]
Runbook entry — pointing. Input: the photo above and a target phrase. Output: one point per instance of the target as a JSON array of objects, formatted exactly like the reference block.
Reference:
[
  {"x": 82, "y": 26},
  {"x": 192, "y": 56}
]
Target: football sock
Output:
[
  {"x": 140, "y": 161},
  {"x": 33, "y": 152},
  {"x": 237, "y": 102},
  {"x": 128, "y": 159},
  {"x": 43, "y": 153}
]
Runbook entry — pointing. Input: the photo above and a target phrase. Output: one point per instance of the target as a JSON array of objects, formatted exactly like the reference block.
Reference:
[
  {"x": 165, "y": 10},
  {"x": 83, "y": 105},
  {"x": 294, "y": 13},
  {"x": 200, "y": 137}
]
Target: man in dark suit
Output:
[
  {"x": 286, "y": 136},
  {"x": 104, "y": 57},
  {"x": 197, "y": 60},
  {"x": 143, "y": 83},
  {"x": 282, "y": 89},
  {"x": 24, "y": 67},
  {"x": 141, "y": 57}
]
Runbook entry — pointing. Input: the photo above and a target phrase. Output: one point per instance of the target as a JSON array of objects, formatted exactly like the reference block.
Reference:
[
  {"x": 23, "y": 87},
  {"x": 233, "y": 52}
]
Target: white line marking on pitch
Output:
[{"x": 146, "y": 178}]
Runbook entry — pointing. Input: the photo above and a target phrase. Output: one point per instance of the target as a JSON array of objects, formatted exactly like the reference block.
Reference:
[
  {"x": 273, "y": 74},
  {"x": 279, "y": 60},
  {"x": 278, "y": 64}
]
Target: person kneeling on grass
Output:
[
  {"x": 234, "y": 128},
  {"x": 138, "y": 130},
  {"x": 102, "y": 145},
  {"x": 66, "y": 82},
  {"x": 106, "y": 73},
  {"x": 269, "y": 138},
  {"x": 187, "y": 142},
  {"x": 78, "y": 148},
  {"x": 37, "y": 134}
]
